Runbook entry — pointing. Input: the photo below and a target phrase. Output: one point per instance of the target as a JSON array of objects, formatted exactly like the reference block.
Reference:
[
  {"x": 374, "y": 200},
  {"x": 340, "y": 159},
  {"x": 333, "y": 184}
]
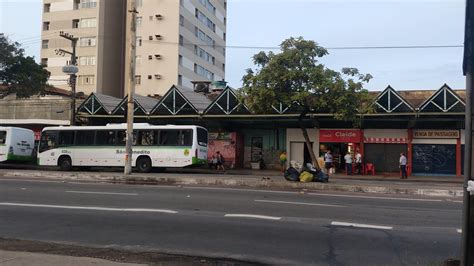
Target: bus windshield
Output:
[
  {"x": 3, "y": 137},
  {"x": 202, "y": 137}
]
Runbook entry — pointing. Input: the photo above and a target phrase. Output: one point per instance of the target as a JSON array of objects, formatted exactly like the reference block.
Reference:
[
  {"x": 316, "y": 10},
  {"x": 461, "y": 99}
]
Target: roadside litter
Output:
[{"x": 306, "y": 173}]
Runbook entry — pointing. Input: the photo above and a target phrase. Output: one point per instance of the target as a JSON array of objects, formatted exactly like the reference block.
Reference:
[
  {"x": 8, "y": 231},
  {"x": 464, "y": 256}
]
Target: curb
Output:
[{"x": 234, "y": 182}]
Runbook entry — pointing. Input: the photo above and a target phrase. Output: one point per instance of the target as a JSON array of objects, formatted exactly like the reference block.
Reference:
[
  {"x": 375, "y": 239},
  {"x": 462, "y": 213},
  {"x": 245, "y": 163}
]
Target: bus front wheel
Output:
[
  {"x": 144, "y": 165},
  {"x": 65, "y": 163}
]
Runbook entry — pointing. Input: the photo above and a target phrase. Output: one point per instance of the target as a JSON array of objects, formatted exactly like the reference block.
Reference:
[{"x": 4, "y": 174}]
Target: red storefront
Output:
[
  {"x": 339, "y": 141},
  {"x": 230, "y": 145}
]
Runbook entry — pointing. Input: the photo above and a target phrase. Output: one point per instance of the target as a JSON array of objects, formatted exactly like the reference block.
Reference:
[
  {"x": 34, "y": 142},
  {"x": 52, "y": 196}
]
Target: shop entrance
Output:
[{"x": 338, "y": 151}]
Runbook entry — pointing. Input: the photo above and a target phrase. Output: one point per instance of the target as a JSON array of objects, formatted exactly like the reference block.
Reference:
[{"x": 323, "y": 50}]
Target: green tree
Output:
[
  {"x": 20, "y": 73},
  {"x": 294, "y": 76}
]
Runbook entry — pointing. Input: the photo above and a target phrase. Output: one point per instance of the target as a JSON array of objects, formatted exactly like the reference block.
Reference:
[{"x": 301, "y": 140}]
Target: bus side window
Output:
[
  {"x": 186, "y": 138},
  {"x": 146, "y": 138},
  {"x": 66, "y": 138},
  {"x": 122, "y": 137},
  {"x": 48, "y": 141},
  {"x": 3, "y": 137},
  {"x": 105, "y": 138},
  {"x": 85, "y": 137}
]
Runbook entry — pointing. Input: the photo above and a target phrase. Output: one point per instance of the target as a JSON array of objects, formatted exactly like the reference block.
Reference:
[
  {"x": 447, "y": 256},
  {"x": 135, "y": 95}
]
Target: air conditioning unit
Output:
[
  {"x": 159, "y": 17},
  {"x": 158, "y": 37},
  {"x": 150, "y": 38},
  {"x": 150, "y": 57},
  {"x": 157, "y": 76},
  {"x": 157, "y": 56}
]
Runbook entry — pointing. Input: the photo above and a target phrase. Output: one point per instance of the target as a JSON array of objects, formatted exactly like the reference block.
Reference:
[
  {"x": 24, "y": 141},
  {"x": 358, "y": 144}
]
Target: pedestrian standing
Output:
[
  {"x": 403, "y": 166},
  {"x": 283, "y": 160},
  {"x": 358, "y": 163},
  {"x": 220, "y": 161},
  {"x": 328, "y": 161},
  {"x": 348, "y": 160}
]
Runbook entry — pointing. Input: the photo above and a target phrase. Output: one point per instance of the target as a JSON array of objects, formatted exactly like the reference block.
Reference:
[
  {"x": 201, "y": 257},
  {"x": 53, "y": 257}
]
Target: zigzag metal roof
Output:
[{"x": 444, "y": 100}]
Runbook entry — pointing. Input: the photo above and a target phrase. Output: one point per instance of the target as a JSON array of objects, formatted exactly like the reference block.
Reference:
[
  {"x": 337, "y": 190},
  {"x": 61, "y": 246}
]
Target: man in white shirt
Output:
[
  {"x": 358, "y": 163},
  {"x": 348, "y": 160},
  {"x": 403, "y": 165},
  {"x": 328, "y": 161}
]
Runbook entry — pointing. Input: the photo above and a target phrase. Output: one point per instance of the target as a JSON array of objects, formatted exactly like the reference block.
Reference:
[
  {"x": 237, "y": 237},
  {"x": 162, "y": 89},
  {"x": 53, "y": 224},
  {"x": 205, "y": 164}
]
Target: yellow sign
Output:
[
  {"x": 436, "y": 134},
  {"x": 186, "y": 152}
]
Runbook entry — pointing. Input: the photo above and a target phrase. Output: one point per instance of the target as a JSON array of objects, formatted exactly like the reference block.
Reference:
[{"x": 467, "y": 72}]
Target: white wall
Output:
[
  {"x": 385, "y": 133},
  {"x": 296, "y": 135},
  {"x": 64, "y": 5}
]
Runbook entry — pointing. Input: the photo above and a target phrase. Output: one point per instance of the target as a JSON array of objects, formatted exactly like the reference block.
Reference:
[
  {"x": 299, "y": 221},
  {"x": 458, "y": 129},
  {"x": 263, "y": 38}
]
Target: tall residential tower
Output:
[{"x": 178, "y": 41}]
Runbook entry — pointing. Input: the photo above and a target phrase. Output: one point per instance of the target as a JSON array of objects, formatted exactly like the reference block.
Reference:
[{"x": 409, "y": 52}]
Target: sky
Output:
[{"x": 331, "y": 23}]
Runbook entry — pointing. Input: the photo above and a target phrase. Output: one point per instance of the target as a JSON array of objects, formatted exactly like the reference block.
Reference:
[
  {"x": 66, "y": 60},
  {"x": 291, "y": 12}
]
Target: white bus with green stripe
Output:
[
  {"x": 16, "y": 144},
  {"x": 153, "y": 146}
]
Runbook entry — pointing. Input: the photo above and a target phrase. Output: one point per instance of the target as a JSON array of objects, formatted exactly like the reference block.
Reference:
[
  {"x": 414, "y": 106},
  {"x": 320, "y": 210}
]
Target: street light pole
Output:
[
  {"x": 72, "y": 74},
  {"x": 131, "y": 40},
  {"x": 467, "y": 244}
]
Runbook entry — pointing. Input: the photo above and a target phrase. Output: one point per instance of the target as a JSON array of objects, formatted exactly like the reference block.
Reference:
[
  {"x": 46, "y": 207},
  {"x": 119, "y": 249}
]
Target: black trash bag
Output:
[
  {"x": 321, "y": 177},
  {"x": 291, "y": 174}
]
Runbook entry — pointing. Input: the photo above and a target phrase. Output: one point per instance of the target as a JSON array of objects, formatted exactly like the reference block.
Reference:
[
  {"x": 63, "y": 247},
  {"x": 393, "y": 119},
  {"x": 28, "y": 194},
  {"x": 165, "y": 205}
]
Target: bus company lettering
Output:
[{"x": 139, "y": 152}]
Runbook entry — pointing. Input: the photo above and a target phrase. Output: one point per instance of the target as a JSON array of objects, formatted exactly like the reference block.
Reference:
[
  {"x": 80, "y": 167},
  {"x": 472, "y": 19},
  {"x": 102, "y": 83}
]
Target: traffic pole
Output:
[{"x": 131, "y": 41}]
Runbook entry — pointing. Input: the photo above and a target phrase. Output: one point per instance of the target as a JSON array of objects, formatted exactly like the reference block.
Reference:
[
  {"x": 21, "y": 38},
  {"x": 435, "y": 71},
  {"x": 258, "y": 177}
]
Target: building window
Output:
[
  {"x": 139, "y": 41},
  {"x": 45, "y": 44},
  {"x": 88, "y": 23},
  {"x": 181, "y": 20},
  {"x": 181, "y": 40},
  {"x": 180, "y": 80},
  {"x": 44, "y": 62},
  {"x": 208, "y": 5},
  {"x": 138, "y": 60},
  {"x": 180, "y": 60},
  {"x": 76, "y": 4},
  {"x": 88, "y": 3},
  {"x": 203, "y": 54},
  {"x": 75, "y": 23},
  {"x": 205, "y": 20},
  {"x": 223, "y": 67},
  {"x": 46, "y": 25},
  {"x": 86, "y": 80},
  {"x": 204, "y": 37},
  {"x": 138, "y": 80},
  {"x": 150, "y": 77},
  {"x": 139, "y": 21},
  {"x": 139, "y": 3},
  {"x": 201, "y": 71},
  {"x": 87, "y": 41},
  {"x": 47, "y": 8},
  {"x": 87, "y": 61}
]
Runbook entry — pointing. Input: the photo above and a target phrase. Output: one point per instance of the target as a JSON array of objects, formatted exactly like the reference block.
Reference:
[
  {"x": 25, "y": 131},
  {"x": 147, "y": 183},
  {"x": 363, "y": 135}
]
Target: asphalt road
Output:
[{"x": 272, "y": 227}]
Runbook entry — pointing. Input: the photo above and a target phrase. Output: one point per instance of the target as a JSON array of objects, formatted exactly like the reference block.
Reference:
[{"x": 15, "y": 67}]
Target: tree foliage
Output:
[
  {"x": 20, "y": 73},
  {"x": 295, "y": 76}
]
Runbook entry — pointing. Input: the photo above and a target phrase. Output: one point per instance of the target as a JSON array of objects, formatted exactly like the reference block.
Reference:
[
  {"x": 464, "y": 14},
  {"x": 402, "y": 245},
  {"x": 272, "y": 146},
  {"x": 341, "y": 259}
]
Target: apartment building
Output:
[
  {"x": 99, "y": 27},
  {"x": 178, "y": 41}
]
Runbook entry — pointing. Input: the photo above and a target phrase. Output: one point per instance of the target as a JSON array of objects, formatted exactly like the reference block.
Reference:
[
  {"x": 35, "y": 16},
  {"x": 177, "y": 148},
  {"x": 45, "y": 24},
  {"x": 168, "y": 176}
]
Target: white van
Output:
[{"x": 16, "y": 144}]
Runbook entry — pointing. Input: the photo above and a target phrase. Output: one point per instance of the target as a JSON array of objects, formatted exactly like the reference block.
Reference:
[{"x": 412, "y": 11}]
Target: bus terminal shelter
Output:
[{"x": 426, "y": 125}]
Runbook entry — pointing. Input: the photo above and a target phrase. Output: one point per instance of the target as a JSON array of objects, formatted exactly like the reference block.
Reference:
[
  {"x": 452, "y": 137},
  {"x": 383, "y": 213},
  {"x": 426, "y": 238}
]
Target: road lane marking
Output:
[
  {"x": 101, "y": 193},
  {"x": 371, "y": 197},
  {"x": 301, "y": 203},
  {"x": 242, "y": 190},
  {"x": 369, "y": 226},
  {"x": 459, "y": 231},
  {"x": 253, "y": 216},
  {"x": 92, "y": 208}
]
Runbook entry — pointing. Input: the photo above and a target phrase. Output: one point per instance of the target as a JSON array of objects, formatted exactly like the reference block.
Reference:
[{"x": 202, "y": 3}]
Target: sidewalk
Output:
[
  {"x": 13, "y": 258},
  {"x": 432, "y": 186}
]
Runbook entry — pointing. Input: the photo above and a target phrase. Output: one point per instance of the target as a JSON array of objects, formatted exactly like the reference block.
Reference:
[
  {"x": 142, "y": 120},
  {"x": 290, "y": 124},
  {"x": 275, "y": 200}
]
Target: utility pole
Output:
[
  {"x": 71, "y": 70},
  {"x": 131, "y": 33},
  {"x": 467, "y": 245}
]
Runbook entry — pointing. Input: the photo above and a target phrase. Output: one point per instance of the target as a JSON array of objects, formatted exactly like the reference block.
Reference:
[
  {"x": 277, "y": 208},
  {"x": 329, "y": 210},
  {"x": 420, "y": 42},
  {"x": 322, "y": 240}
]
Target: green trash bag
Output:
[{"x": 306, "y": 177}]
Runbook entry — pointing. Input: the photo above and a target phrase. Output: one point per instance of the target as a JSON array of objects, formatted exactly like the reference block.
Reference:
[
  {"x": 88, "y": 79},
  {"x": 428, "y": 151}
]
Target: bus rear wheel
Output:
[
  {"x": 144, "y": 165},
  {"x": 65, "y": 163}
]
